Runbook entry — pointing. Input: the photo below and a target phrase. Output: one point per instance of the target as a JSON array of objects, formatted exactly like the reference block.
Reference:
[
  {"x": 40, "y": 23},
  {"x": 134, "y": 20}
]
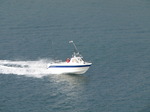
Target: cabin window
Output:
[{"x": 74, "y": 61}]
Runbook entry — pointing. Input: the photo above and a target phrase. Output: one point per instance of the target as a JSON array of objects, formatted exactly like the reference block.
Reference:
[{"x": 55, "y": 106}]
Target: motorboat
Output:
[{"x": 73, "y": 65}]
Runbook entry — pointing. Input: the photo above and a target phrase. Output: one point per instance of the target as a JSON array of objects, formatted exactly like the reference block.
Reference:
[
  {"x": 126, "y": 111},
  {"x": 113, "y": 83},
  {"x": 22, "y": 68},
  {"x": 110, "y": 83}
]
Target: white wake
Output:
[{"x": 28, "y": 68}]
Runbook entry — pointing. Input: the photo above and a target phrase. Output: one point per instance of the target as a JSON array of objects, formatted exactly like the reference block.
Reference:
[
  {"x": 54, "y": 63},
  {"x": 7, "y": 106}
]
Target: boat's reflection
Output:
[
  {"x": 69, "y": 84},
  {"x": 69, "y": 88},
  {"x": 69, "y": 79}
]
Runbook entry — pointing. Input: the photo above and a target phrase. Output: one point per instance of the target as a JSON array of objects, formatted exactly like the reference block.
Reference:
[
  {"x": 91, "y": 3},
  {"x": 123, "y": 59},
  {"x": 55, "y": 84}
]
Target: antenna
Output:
[{"x": 76, "y": 50}]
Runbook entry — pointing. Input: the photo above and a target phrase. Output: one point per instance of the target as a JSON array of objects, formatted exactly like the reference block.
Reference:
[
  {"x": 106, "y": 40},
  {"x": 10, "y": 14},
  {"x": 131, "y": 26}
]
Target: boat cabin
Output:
[{"x": 75, "y": 60}]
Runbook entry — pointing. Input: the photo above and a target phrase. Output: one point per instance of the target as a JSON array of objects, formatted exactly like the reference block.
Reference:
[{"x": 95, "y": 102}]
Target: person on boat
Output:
[{"x": 67, "y": 60}]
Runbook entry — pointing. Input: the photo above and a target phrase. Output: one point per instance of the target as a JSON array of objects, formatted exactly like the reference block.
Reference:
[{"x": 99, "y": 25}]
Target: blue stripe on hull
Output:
[{"x": 69, "y": 66}]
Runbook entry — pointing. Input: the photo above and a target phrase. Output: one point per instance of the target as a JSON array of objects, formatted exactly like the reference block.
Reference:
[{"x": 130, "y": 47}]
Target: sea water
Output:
[{"x": 113, "y": 35}]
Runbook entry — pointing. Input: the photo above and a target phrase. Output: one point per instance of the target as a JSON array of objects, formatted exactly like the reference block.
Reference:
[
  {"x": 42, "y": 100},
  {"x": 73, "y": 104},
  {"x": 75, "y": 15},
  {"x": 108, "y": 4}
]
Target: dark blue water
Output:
[{"x": 114, "y": 35}]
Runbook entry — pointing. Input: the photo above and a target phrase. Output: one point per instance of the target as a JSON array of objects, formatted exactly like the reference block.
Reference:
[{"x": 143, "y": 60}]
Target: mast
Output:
[
  {"x": 76, "y": 52},
  {"x": 75, "y": 48}
]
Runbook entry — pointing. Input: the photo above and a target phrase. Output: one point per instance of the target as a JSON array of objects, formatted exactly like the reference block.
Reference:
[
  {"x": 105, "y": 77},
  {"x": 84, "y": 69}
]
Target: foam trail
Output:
[{"x": 28, "y": 68}]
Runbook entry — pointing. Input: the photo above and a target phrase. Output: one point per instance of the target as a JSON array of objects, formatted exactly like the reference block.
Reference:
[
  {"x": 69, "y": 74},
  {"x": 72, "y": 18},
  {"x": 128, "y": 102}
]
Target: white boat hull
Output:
[{"x": 68, "y": 69}]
